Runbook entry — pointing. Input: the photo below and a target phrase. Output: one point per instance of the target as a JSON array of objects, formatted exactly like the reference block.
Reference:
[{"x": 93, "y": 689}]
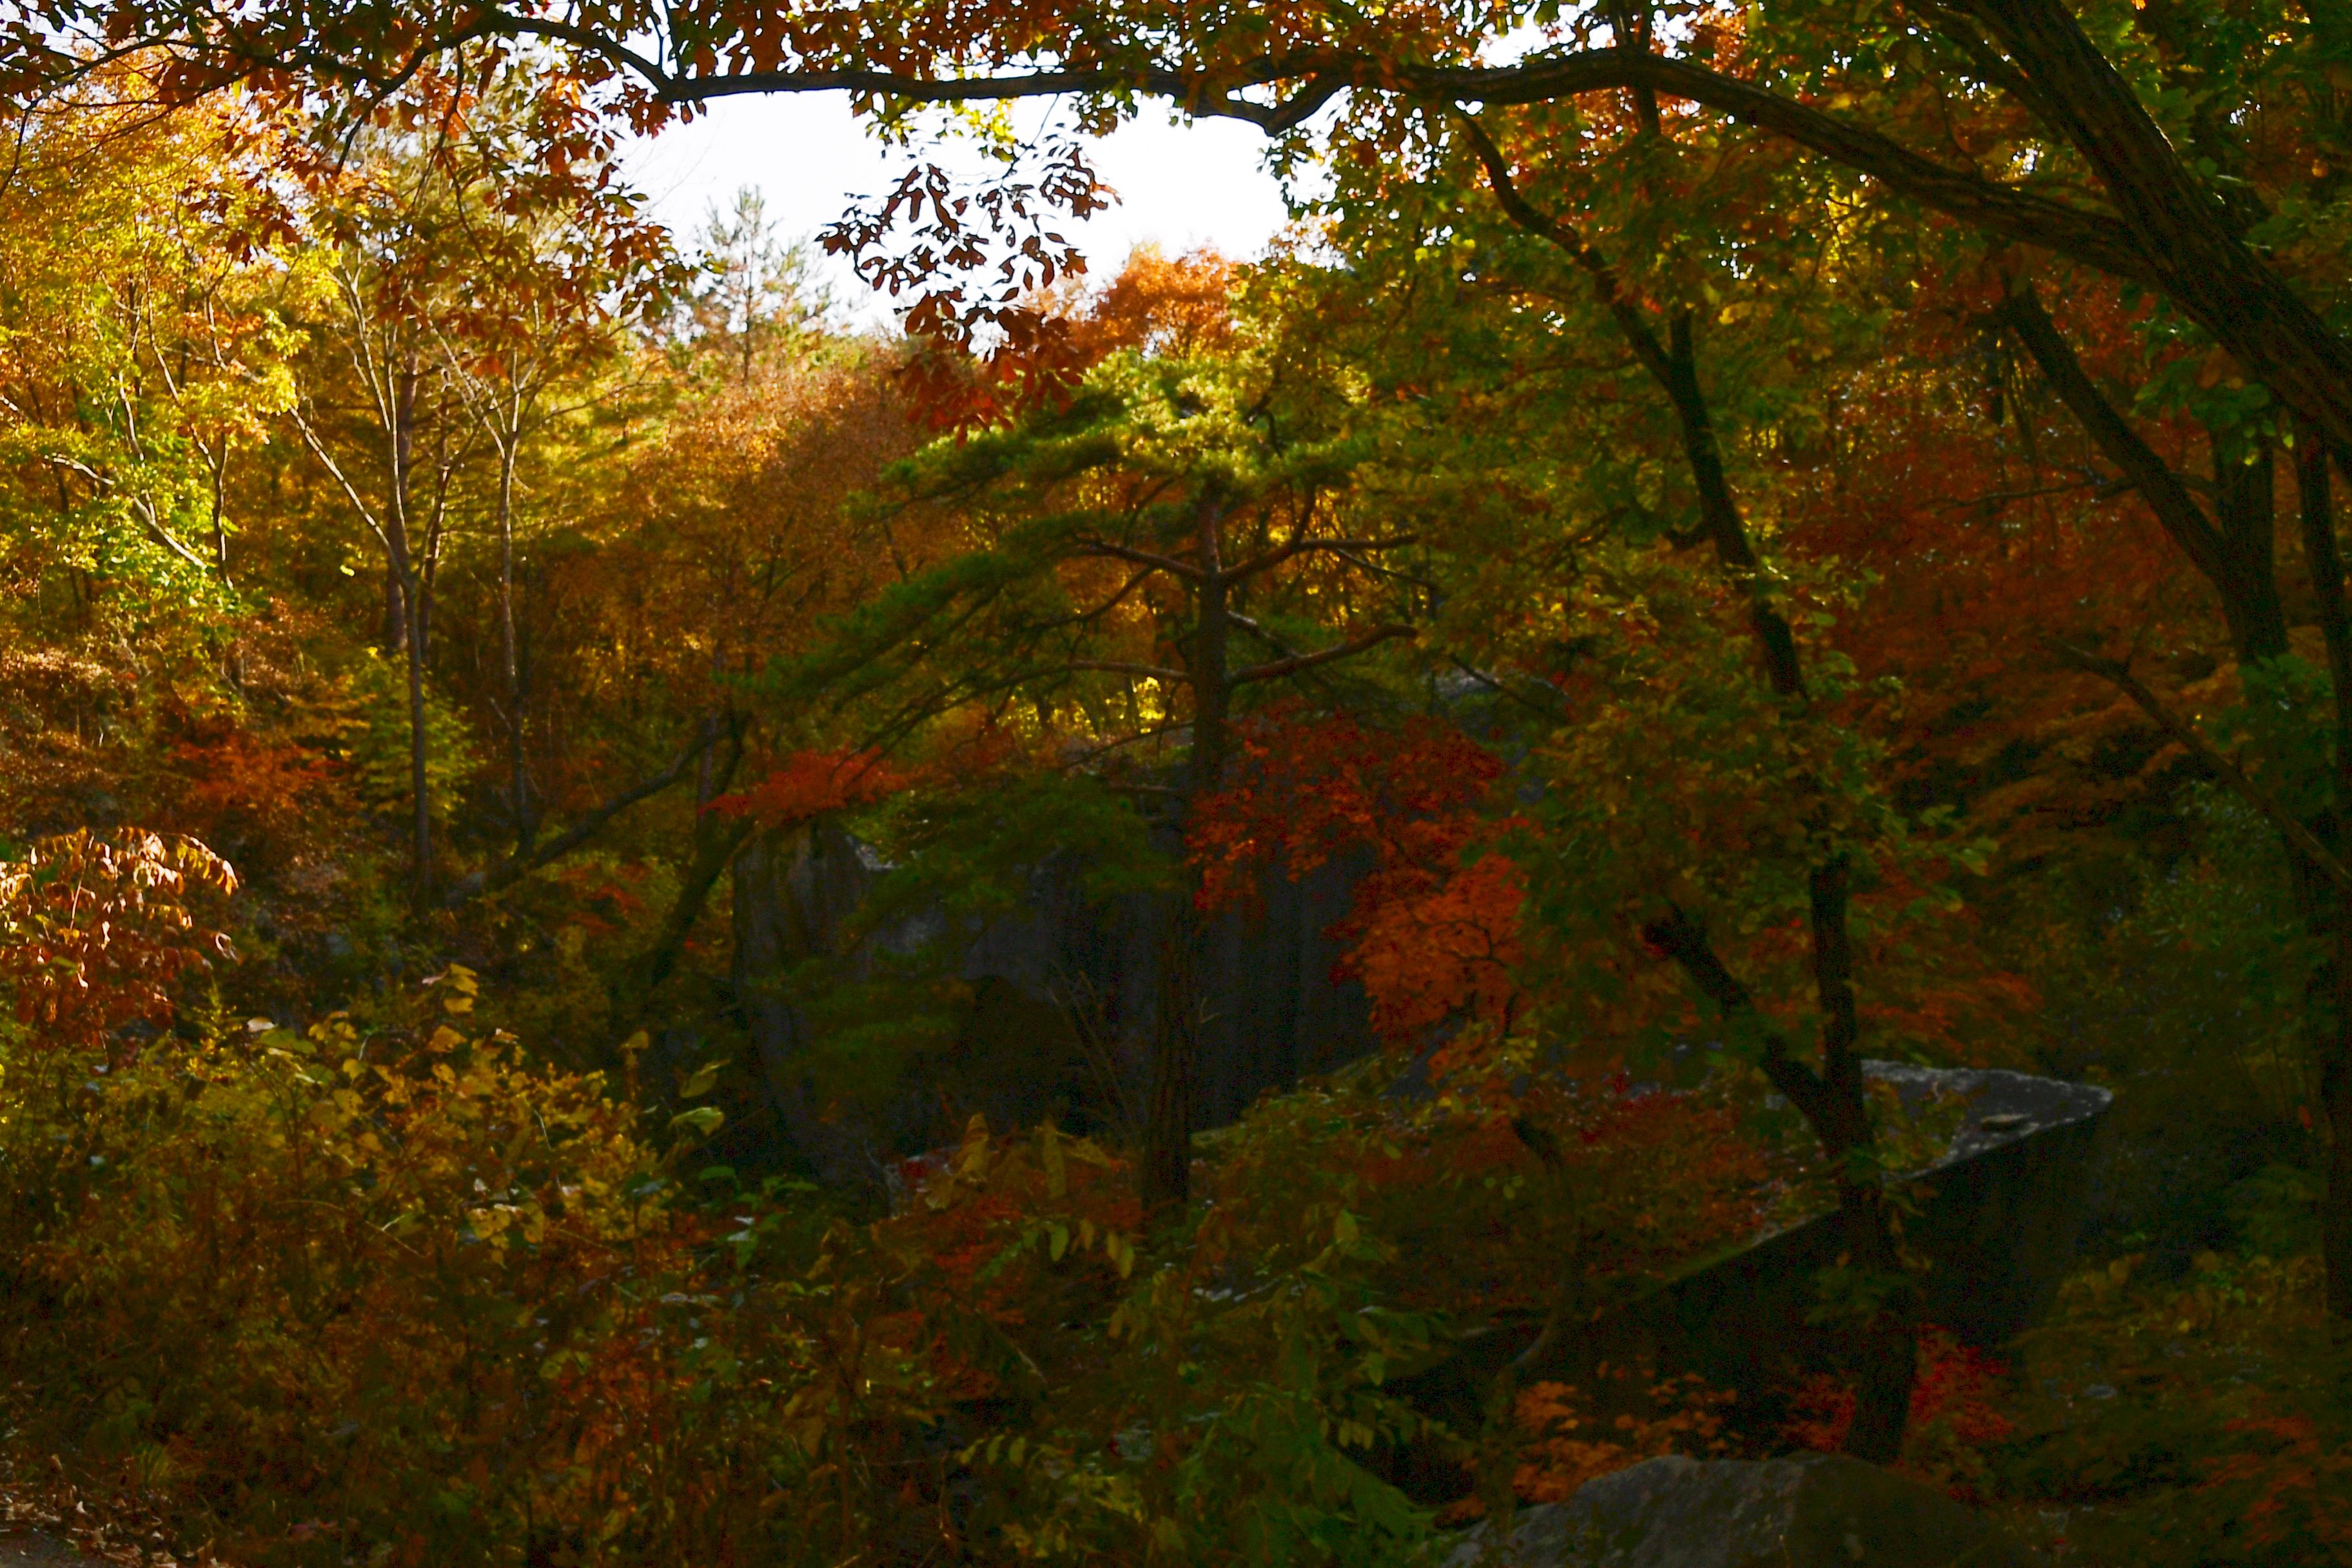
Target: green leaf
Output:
[{"x": 1049, "y": 1156}]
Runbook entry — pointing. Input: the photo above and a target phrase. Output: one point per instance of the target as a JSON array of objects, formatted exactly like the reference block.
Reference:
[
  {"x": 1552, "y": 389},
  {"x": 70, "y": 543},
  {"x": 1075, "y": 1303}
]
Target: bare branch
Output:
[
  {"x": 517, "y": 867},
  {"x": 1142, "y": 671},
  {"x": 1273, "y": 558},
  {"x": 1348, "y": 649},
  {"x": 2290, "y": 828},
  {"x": 326, "y": 461},
  {"x": 1183, "y": 569}
]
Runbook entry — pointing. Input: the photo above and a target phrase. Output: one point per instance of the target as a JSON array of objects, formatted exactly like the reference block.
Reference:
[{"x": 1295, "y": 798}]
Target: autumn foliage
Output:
[
  {"x": 1433, "y": 931},
  {"x": 97, "y": 934},
  {"x": 1720, "y": 545},
  {"x": 813, "y": 784}
]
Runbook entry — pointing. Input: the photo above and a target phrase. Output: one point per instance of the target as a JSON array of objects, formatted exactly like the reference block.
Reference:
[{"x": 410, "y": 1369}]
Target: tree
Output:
[
  {"x": 755, "y": 287},
  {"x": 2019, "y": 72},
  {"x": 1730, "y": 251},
  {"x": 145, "y": 259},
  {"x": 715, "y": 543},
  {"x": 94, "y": 935},
  {"x": 554, "y": 270},
  {"x": 1144, "y": 559},
  {"x": 473, "y": 272}
]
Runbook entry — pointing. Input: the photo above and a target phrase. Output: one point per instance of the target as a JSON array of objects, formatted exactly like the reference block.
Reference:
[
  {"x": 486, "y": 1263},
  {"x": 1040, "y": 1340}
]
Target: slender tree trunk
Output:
[
  {"x": 1885, "y": 1342},
  {"x": 220, "y": 512},
  {"x": 2333, "y": 1038},
  {"x": 1719, "y": 511},
  {"x": 409, "y": 579},
  {"x": 1832, "y": 1102},
  {"x": 517, "y": 777},
  {"x": 1167, "y": 1174},
  {"x": 396, "y": 608},
  {"x": 1168, "y": 1130},
  {"x": 421, "y": 846}
]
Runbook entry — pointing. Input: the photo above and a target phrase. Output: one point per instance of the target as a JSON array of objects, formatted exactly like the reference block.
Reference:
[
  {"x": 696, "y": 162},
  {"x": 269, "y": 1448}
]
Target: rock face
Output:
[
  {"x": 1062, "y": 992},
  {"x": 1819, "y": 1511},
  {"x": 1996, "y": 1228},
  {"x": 2003, "y": 1208}
]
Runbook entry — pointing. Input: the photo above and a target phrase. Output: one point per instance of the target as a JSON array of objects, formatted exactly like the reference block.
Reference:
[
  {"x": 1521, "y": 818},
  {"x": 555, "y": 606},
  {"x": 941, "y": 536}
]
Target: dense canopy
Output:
[{"x": 641, "y": 925}]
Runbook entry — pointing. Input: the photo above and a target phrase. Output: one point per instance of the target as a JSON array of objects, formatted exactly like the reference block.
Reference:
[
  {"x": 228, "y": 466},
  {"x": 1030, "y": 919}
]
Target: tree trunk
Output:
[
  {"x": 1167, "y": 1174},
  {"x": 421, "y": 846},
  {"x": 2333, "y": 1038},
  {"x": 1884, "y": 1346},
  {"x": 1880, "y": 1348},
  {"x": 411, "y": 591},
  {"x": 1719, "y": 511},
  {"x": 2245, "y": 507},
  {"x": 395, "y": 609},
  {"x": 518, "y": 785},
  {"x": 2185, "y": 233},
  {"x": 1885, "y": 1341},
  {"x": 219, "y": 467},
  {"x": 1175, "y": 1070}
]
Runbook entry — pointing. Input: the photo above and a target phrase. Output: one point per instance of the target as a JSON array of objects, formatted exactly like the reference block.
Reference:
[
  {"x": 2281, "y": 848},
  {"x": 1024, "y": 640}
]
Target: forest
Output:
[{"x": 1660, "y": 815}]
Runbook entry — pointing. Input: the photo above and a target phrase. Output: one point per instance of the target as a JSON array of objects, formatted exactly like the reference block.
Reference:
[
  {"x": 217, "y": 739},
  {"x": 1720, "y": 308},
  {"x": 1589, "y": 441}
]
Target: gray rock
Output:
[
  {"x": 1277, "y": 1011},
  {"x": 1819, "y": 1510},
  {"x": 1996, "y": 1224},
  {"x": 34, "y": 1551}
]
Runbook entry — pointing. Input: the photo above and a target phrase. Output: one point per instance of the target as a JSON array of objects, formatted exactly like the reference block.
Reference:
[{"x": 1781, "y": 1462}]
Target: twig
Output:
[{"x": 2291, "y": 827}]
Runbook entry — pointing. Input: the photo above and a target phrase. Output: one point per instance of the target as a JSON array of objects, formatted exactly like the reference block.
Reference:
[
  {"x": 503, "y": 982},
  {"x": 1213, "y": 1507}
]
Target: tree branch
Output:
[
  {"x": 1520, "y": 211},
  {"x": 516, "y": 868},
  {"x": 1258, "y": 565},
  {"x": 2020, "y": 311},
  {"x": 2102, "y": 241},
  {"x": 1681, "y": 938},
  {"x": 1143, "y": 671},
  {"x": 2290, "y": 826},
  {"x": 1297, "y": 662},
  {"x": 1169, "y": 563}
]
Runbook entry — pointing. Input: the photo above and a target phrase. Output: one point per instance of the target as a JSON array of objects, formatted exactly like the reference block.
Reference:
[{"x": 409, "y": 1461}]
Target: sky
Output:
[{"x": 1178, "y": 185}]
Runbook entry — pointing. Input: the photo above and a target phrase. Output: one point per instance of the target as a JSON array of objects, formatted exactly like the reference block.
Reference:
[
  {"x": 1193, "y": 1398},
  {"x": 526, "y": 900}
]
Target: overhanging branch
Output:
[
  {"x": 516, "y": 868},
  {"x": 2290, "y": 828},
  {"x": 1298, "y": 662}
]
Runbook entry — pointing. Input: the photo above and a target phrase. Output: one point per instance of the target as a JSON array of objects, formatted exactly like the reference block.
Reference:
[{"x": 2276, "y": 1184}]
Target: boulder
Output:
[
  {"x": 1063, "y": 991},
  {"x": 1817, "y": 1510},
  {"x": 1997, "y": 1216}
]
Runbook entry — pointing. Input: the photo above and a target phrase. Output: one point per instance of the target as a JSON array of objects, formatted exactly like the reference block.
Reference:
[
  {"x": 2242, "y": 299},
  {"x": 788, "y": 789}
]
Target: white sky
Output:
[{"x": 1178, "y": 185}]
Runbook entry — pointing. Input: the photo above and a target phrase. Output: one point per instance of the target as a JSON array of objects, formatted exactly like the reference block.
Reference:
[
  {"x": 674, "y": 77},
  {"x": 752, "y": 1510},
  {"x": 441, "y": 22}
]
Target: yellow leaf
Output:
[
  {"x": 705, "y": 1119},
  {"x": 704, "y": 1077}
]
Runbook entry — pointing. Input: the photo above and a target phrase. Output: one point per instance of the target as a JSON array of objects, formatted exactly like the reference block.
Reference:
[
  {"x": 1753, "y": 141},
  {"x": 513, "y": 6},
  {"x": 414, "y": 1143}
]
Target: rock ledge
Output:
[{"x": 1817, "y": 1510}]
